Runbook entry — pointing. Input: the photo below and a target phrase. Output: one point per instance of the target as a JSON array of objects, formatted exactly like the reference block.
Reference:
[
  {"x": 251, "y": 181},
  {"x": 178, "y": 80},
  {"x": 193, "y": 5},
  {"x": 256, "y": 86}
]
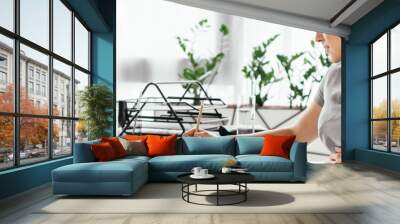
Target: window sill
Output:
[{"x": 30, "y": 166}]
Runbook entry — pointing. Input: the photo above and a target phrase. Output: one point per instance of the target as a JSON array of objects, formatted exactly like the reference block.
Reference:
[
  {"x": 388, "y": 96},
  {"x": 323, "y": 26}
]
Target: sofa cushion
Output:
[
  {"x": 277, "y": 145},
  {"x": 103, "y": 152},
  {"x": 249, "y": 145},
  {"x": 134, "y": 147},
  {"x": 185, "y": 163},
  {"x": 161, "y": 145},
  {"x": 257, "y": 163},
  {"x": 116, "y": 145},
  {"x": 132, "y": 158},
  {"x": 112, "y": 171},
  {"x": 136, "y": 137},
  {"x": 208, "y": 145},
  {"x": 83, "y": 152}
]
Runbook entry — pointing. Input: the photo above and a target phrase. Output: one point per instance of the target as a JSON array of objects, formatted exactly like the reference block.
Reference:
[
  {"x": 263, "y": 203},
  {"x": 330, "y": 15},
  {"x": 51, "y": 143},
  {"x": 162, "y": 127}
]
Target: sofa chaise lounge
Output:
[{"x": 125, "y": 176}]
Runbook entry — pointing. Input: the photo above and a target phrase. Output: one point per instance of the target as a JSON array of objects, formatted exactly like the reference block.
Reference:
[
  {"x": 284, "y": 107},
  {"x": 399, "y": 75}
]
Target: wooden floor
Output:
[{"x": 377, "y": 188}]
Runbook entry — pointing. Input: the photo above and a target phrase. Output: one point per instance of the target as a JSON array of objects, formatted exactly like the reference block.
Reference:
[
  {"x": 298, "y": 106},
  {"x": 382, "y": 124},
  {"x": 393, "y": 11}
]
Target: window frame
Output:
[
  {"x": 16, "y": 114},
  {"x": 388, "y": 74}
]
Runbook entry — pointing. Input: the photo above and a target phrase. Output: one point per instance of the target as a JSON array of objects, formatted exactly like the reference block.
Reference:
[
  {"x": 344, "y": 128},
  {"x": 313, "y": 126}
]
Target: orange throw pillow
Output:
[
  {"x": 116, "y": 145},
  {"x": 161, "y": 145},
  {"x": 103, "y": 152},
  {"x": 136, "y": 137},
  {"x": 277, "y": 145}
]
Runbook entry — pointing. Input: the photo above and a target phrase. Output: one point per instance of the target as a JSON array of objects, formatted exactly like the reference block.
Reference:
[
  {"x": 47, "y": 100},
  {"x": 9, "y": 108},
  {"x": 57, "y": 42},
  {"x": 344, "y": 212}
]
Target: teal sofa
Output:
[{"x": 125, "y": 176}]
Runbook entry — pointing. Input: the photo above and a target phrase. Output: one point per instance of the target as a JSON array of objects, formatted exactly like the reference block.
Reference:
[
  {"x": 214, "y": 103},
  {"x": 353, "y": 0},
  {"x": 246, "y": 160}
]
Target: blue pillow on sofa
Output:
[
  {"x": 208, "y": 145},
  {"x": 83, "y": 153},
  {"x": 249, "y": 145}
]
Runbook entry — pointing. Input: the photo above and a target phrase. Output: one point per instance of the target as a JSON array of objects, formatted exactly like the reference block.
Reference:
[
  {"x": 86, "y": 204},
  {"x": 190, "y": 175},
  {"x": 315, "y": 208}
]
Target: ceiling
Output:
[
  {"x": 321, "y": 9},
  {"x": 328, "y": 16}
]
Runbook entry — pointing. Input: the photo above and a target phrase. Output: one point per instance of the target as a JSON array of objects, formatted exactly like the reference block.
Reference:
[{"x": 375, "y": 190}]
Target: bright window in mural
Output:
[
  {"x": 44, "y": 112},
  {"x": 385, "y": 94},
  {"x": 262, "y": 76}
]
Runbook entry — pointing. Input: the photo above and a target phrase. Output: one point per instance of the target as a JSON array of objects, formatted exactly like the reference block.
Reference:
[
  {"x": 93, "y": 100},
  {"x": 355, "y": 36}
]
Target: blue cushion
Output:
[
  {"x": 133, "y": 158},
  {"x": 185, "y": 163},
  {"x": 83, "y": 153},
  {"x": 208, "y": 145},
  {"x": 111, "y": 171},
  {"x": 257, "y": 163},
  {"x": 249, "y": 145}
]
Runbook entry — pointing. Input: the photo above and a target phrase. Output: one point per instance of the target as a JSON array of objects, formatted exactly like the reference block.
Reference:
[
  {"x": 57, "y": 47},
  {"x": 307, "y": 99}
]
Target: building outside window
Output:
[
  {"x": 38, "y": 89},
  {"x": 34, "y": 79},
  {"x": 3, "y": 72},
  {"x": 3, "y": 61},
  {"x": 44, "y": 91},
  {"x": 30, "y": 72},
  {"x": 30, "y": 87},
  {"x": 44, "y": 77},
  {"x": 3, "y": 78}
]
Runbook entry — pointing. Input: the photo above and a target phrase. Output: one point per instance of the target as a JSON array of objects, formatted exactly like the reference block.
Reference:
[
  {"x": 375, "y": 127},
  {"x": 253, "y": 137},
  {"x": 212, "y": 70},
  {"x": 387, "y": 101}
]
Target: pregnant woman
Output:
[{"x": 322, "y": 118}]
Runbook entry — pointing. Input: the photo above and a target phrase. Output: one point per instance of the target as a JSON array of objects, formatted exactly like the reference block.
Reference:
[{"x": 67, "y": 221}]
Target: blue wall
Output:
[
  {"x": 103, "y": 51},
  {"x": 103, "y": 64},
  {"x": 99, "y": 15},
  {"x": 356, "y": 84},
  {"x": 24, "y": 178}
]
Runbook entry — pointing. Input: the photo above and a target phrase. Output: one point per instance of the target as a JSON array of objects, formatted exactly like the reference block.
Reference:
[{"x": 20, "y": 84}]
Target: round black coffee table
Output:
[{"x": 238, "y": 179}]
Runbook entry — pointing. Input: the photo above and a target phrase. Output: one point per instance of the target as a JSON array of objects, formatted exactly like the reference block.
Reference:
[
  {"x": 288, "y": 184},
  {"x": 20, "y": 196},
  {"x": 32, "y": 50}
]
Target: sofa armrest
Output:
[
  {"x": 298, "y": 155},
  {"x": 83, "y": 152}
]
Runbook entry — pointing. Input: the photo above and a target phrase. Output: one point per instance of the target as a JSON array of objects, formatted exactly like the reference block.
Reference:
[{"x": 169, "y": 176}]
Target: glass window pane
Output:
[
  {"x": 395, "y": 47},
  {"x": 6, "y": 74},
  {"x": 395, "y": 136},
  {"x": 379, "y": 135},
  {"x": 395, "y": 95},
  {"x": 62, "y": 89},
  {"x": 6, "y": 142},
  {"x": 34, "y": 97},
  {"x": 62, "y": 29},
  {"x": 81, "y": 131},
  {"x": 379, "y": 55},
  {"x": 81, "y": 81},
  {"x": 7, "y": 14},
  {"x": 33, "y": 140},
  {"x": 81, "y": 45},
  {"x": 35, "y": 21},
  {"x": 379, "y": 97},
  {"x": 62, "y": 138}
]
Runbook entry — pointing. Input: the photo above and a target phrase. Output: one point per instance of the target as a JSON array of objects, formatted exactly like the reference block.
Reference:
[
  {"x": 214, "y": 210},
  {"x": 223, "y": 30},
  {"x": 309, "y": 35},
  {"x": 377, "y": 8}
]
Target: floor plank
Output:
[{"x": 376, "y": 189}]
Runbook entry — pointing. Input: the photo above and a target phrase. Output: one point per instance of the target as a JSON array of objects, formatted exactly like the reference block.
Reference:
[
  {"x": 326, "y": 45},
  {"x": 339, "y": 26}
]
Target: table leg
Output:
[
  {"x": 196, "y": 187},
  {"x": 217, "y": 194},
  {"x": 245, "y": 193},
  {"x": 188, "y": 192}
]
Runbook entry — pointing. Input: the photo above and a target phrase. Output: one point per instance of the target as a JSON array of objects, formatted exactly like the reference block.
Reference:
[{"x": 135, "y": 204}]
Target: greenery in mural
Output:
[
  {"x": 260, "y": 71},
  {"x": 96, "y": 102},
  {"x": 201, "y": 68},
  {"x": 302, "y": 70}
]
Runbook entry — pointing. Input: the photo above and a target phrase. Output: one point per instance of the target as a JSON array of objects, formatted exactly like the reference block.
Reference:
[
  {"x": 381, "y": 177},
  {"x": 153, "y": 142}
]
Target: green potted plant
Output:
[
  {"x": 200, "y": 68},
  {"x": 96, "y": 102},
  {"x": 260, "y": 71}
]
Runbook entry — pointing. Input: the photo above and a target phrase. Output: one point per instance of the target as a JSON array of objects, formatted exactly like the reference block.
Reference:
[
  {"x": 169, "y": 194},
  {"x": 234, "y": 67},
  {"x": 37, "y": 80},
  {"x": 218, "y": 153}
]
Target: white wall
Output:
[{"x": 148, "y": 50}]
